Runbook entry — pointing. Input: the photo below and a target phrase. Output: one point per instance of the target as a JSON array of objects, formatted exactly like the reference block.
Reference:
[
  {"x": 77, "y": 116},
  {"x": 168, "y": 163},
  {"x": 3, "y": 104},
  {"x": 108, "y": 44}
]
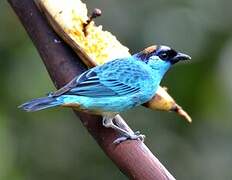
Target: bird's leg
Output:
[
  {"x": 108, "y": 122},
  {"x": 120, "y": 123}
]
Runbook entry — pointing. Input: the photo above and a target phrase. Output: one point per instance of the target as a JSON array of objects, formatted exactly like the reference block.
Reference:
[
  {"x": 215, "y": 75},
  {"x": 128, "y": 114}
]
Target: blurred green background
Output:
[{"x": 52, "y": 144}]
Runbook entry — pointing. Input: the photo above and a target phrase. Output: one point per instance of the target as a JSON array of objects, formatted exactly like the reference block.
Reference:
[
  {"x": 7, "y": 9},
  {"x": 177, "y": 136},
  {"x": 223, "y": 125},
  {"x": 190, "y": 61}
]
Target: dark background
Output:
[{"x": 52, "y": 144}]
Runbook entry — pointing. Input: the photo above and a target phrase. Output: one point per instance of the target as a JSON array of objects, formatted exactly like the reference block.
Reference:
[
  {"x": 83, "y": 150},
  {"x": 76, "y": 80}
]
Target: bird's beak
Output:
[{"x": 180, "y": 57}]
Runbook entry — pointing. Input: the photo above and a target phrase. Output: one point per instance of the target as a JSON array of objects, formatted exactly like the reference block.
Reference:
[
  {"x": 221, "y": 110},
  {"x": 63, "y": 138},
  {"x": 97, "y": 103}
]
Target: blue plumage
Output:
[
  {"x": 114, "y": 87},
  {"x": 40, "y": 104}
]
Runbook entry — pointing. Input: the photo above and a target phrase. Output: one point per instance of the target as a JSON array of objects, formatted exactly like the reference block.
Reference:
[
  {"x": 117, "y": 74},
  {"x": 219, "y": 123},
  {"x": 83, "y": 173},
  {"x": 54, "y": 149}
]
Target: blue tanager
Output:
[{"x": 113, "y": 87}]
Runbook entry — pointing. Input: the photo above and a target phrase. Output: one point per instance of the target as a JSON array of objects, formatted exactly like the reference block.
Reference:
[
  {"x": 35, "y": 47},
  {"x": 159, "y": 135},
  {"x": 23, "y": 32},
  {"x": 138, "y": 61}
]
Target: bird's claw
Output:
[{"x": 134, "y": 136}]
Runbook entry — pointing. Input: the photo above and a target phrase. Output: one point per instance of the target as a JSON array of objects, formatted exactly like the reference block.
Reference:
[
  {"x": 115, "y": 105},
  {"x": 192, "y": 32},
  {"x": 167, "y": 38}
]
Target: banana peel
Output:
[{"x": 93, "y": 45}]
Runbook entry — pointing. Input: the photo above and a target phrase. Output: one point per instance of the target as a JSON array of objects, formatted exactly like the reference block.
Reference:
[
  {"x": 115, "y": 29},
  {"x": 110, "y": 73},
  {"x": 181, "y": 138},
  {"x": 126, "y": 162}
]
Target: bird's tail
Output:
[{"x": 40, "y": 103}]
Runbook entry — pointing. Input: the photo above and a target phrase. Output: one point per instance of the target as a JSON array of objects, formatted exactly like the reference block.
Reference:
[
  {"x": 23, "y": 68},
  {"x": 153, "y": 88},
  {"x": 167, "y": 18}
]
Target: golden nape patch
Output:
[{"x": 149, "y": 49}]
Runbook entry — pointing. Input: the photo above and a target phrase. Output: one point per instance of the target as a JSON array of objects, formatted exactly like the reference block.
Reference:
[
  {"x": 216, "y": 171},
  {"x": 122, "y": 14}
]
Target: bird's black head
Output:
[{"x": 164, "y": 53}]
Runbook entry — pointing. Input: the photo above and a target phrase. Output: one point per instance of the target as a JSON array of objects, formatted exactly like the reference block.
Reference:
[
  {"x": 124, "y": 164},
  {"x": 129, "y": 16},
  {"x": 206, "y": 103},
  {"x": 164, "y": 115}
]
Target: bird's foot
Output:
[
  {"x": 130, "y": 136},
  {"x": 126, "y": 135}
]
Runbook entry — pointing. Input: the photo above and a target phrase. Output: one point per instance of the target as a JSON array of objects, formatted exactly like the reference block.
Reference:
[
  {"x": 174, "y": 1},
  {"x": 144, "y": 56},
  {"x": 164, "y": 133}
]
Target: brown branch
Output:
[{"x": 133, "y": 158}]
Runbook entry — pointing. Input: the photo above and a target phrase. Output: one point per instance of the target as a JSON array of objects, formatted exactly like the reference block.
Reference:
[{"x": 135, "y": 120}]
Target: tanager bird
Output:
[{"x": 113, "y": 87}]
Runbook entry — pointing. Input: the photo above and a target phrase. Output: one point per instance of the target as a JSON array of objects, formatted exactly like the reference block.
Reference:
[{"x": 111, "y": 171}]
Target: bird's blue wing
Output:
[
  {"x": 116, "y": 78},
  {"x": 91, "y": 85}
]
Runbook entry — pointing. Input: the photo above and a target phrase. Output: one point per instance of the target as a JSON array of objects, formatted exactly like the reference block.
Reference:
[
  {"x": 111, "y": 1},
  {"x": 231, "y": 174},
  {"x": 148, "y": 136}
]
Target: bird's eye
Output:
[{"x": 163, "y": 56}]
